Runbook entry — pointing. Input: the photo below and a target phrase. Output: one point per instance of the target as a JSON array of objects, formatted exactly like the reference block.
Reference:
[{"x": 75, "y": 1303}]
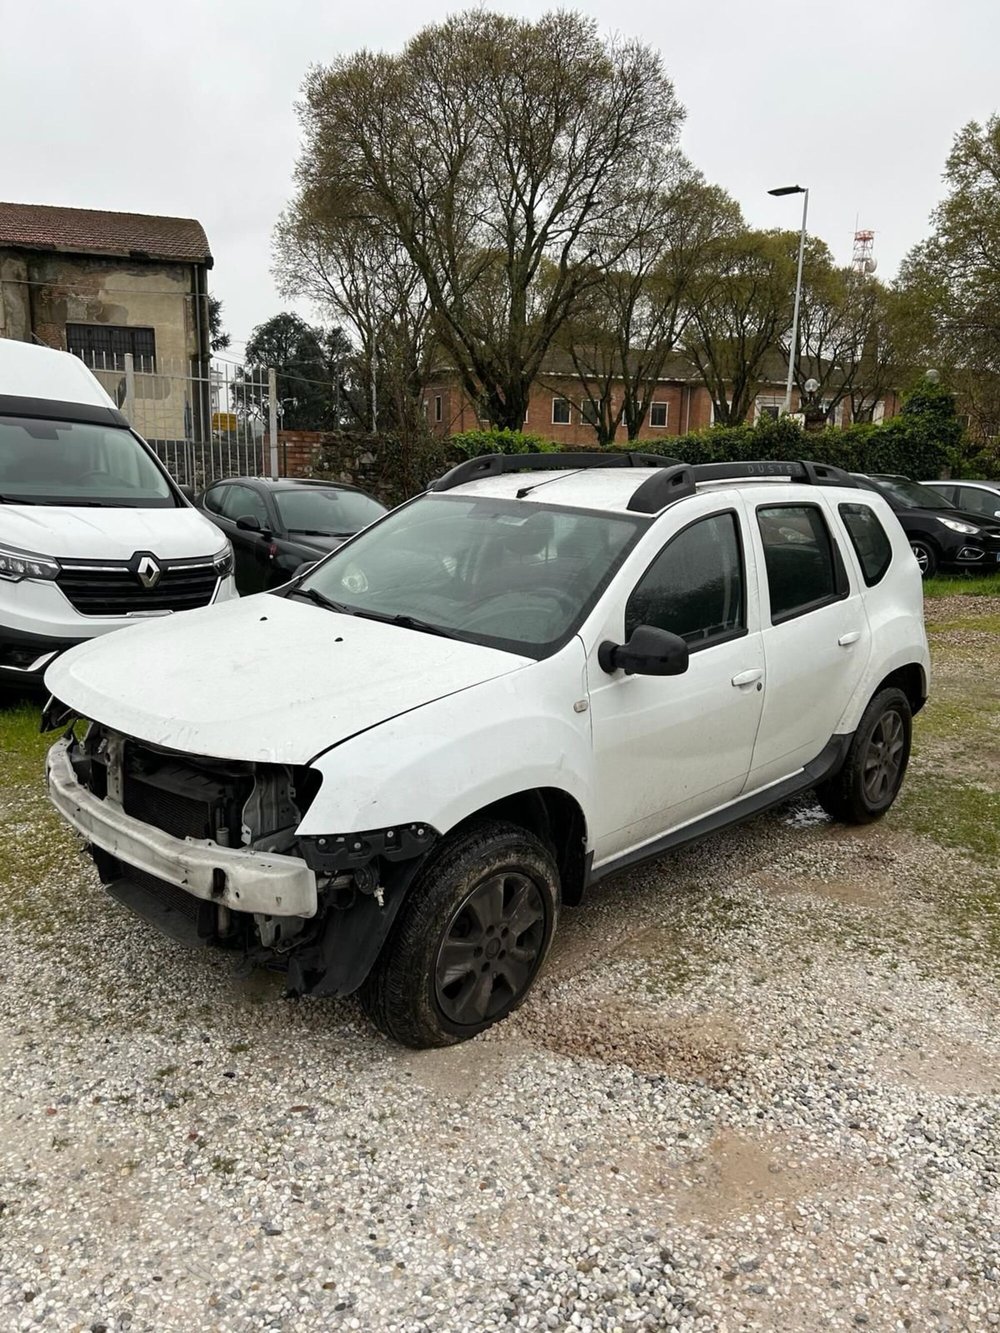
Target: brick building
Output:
[{"x": 558, "y": 406}]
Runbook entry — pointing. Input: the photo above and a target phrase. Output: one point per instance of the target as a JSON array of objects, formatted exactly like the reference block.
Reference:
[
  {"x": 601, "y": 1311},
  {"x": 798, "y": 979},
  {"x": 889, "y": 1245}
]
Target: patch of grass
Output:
[
  {"x": 984, "y": 624},
  {"x": 21, "y": 744},
  {"x": 961, "y": 718},
  {"x": 962, "y": 585},
  {"x": 954, "y": 814}
]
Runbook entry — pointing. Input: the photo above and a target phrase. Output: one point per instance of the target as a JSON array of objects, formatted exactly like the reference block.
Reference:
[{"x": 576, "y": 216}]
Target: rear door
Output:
[{"x": 815, "y": 633}]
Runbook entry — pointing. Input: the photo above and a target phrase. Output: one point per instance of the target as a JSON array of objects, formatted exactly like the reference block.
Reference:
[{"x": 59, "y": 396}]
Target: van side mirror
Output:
[
  {"x": 649, "y": 652},
  {"x": 186, "y": 490}
]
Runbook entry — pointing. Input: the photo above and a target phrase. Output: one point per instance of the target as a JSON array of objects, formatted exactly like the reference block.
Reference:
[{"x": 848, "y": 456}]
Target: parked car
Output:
[
  {"x": 981, "y": 498},
  {"x": 94, "y": 533},
  {"x": 277, "y": 526},
  {"x": 392, "y": 773},
  {"x": 941, "y": 536}
]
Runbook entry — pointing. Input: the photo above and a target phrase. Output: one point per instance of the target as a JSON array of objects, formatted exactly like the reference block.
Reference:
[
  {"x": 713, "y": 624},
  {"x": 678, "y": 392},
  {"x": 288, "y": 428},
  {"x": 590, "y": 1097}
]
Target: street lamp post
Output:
[{"x": 782, "y": 190}]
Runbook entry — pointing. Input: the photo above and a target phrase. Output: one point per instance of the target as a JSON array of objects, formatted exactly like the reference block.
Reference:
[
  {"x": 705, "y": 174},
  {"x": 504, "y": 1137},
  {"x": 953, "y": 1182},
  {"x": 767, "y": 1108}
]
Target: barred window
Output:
[{"x": 103, "y": 346}]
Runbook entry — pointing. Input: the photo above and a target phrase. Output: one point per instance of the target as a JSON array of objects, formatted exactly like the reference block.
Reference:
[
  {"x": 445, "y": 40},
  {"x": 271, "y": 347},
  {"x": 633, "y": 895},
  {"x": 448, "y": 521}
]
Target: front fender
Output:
[{"x": 442, "y": 762}]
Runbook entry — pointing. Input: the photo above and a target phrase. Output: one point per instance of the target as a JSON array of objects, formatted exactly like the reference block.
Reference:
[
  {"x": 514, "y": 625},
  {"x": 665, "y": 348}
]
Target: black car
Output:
[
  {"x": 940, "y": 535},
  {"x": 277, "y": 526}
]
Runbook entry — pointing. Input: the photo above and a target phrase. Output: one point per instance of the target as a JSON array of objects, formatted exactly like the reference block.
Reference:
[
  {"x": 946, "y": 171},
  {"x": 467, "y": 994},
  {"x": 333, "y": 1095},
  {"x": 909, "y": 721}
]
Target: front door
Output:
[
  {"x": 250, "y": 547},
  {"x": 671, "y": 748}
]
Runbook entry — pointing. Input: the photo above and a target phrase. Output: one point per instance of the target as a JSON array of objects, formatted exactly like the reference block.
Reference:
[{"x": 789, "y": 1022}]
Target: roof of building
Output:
[{"x": 92, "y": 231}]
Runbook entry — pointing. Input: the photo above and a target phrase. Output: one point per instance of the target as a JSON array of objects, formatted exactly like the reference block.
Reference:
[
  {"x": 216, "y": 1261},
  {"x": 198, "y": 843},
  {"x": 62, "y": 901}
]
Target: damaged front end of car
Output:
[{"x": 208, "y": 852}]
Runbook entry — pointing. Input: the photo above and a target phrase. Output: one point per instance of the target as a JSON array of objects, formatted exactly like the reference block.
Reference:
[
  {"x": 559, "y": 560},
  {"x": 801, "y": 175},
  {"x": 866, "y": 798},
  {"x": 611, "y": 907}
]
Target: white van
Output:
[{"x": 94, "y": 533}]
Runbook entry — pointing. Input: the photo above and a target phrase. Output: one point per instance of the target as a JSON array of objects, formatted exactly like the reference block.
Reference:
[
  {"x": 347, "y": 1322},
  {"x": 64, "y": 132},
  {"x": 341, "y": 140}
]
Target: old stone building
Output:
[{"x": 105, "y": 285}]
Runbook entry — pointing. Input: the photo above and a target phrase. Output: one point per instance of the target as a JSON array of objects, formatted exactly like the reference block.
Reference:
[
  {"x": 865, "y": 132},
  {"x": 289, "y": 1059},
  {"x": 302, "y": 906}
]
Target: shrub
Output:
[{"x": 473, "y": 443}]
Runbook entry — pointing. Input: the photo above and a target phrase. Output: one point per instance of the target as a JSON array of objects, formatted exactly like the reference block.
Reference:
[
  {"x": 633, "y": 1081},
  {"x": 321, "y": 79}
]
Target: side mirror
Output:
[
  {"x": 305, "y": 568},
  {"x": 649, "y": 652},
  {"x": 248, "y": 523},
  {"x": 186, "y": 490}
]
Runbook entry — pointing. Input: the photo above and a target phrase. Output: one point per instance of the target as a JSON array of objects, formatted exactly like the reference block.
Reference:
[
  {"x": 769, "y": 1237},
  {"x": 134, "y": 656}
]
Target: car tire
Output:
[
  {"x": 453, "y": 965},
  {"x": 927, "y": 557},
  {"x": 870, "y": 778}
]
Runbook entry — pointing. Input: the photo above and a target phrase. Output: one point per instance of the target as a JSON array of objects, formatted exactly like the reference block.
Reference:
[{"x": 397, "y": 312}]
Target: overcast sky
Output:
[{"x": 187, "y": 107}]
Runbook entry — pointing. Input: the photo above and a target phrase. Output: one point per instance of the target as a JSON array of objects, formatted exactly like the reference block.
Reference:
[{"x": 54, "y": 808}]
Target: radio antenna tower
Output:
[{"x": 863, "y": 260}]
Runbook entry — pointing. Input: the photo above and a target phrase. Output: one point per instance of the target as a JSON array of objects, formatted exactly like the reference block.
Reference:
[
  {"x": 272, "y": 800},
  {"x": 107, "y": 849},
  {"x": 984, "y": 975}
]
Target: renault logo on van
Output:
[{"x": 148, "y": 571}]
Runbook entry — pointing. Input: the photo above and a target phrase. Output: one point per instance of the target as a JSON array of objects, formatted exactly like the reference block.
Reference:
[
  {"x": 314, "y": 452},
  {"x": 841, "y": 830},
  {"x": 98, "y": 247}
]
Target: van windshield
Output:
[{"x": 73, "y": 462}]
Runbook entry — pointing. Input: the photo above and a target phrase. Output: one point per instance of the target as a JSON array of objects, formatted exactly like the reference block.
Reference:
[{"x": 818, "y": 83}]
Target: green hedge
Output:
[
  {"x": 474, "y": 443},
  {"x": 923, "y": 441},
  {"x": 907, "y": 445}
]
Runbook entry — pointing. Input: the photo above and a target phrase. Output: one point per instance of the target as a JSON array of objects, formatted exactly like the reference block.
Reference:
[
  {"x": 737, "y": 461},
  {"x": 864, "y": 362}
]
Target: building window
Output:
[
  {"x": 437, "y": 407},
  {"x": 658, "y": 415},
  {"x": 560, "y": 411},
  {"x": 768, "y": 407},
  {"x": 103, "y": 346},
  {"x": 590, "y": 412}
]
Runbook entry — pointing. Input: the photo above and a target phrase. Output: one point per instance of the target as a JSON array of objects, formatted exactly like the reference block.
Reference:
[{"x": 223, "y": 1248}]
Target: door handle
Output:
[
  {"x": 846, "y": 640},
  {"x": 748, "y": 677}
]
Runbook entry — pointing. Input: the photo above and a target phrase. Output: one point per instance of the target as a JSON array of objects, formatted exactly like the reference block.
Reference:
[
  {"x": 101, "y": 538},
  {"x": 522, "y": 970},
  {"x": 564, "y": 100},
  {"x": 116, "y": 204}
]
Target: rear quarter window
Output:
[{"x": 869, "y": 539}]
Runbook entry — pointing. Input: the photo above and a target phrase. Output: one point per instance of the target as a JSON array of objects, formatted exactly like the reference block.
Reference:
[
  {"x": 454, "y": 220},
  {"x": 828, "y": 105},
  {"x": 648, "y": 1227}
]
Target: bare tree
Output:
[
  {"x": 741, "y": 302},
  {"x": 327, "y": 251},
  {"x": 496, "y": 151},
  {"x": 619, "y": 340}
]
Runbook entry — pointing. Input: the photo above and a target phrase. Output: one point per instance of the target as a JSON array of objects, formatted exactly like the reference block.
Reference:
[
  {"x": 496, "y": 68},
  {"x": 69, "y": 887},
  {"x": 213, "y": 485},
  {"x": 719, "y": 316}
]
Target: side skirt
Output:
[{"x": 826, "y": 763}]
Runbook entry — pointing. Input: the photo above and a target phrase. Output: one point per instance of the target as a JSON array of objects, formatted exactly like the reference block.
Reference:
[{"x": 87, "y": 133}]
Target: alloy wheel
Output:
[
  {"x": 491, "y": 949},
  {"x": 884, "y": 758}
]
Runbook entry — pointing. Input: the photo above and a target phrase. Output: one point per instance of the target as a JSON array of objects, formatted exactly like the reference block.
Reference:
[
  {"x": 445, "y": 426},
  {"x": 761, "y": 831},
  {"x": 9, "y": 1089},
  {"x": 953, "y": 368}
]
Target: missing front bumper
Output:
[{"x": 237, "y": 878}]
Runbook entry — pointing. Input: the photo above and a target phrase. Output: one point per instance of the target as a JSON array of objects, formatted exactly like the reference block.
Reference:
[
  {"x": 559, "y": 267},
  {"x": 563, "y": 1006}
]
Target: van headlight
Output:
[
  {"x": 16, "y": 565},
  {"x": 222, "y": 561}
]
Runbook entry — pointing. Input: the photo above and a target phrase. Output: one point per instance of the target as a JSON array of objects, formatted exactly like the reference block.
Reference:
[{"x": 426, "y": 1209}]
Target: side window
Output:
[
  {"x": 869, "y": 539},
  {"x": 694, "y": 587},
  {"x": 804, "y": 571},
  {"x": 974, "y": 501},
  {"x": 242, "y": 502},
  {"x": 215, "y": 499}
]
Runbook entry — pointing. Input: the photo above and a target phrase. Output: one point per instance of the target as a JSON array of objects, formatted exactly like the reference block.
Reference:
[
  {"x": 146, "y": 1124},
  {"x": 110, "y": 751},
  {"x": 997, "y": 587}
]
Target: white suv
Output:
[{"x": 390, "y": 773}]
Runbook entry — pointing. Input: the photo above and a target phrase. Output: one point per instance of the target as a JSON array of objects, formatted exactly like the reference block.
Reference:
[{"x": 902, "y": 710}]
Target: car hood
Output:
[
  {"x": 81, "y": 533},
  {"x": 264, "y": 678},
  {"x": 328, "y": 542},
  {"x": 981, "y": 521}
]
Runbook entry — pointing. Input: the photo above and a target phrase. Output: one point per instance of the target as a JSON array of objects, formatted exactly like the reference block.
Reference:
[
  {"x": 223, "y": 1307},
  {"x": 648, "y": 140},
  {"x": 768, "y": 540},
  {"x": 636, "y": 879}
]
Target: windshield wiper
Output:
[
  {"x": 15, "y": 500},
  {"x": 311, "y": 532},
  {"x": 409, "y": 622},
  {"x": 320, "y": 599}
]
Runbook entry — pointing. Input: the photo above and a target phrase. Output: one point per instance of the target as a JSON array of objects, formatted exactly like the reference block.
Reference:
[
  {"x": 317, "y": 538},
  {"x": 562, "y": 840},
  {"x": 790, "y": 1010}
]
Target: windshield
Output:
[
  {"x": 506, "y": 573},
  {"x": 70, "y": 462},
  {"x": 911, "y": 493},
  {"x": 329, "y": 512}
]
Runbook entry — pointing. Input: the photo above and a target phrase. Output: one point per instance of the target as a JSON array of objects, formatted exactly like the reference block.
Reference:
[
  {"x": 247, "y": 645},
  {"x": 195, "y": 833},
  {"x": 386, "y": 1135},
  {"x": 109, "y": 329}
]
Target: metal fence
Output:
[{"x": 205, "y": 421}]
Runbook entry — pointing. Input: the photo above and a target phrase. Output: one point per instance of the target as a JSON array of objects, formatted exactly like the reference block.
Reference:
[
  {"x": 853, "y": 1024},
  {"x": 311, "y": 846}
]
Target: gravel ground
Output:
[{"x": 756, "y": 1088}]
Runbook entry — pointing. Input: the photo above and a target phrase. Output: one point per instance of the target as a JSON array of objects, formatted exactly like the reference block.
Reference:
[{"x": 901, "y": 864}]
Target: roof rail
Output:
[
  {"x": 812, "y": 474},
  {"x": 494, "y": 465},
  {"x": 665, "y": 486}
]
